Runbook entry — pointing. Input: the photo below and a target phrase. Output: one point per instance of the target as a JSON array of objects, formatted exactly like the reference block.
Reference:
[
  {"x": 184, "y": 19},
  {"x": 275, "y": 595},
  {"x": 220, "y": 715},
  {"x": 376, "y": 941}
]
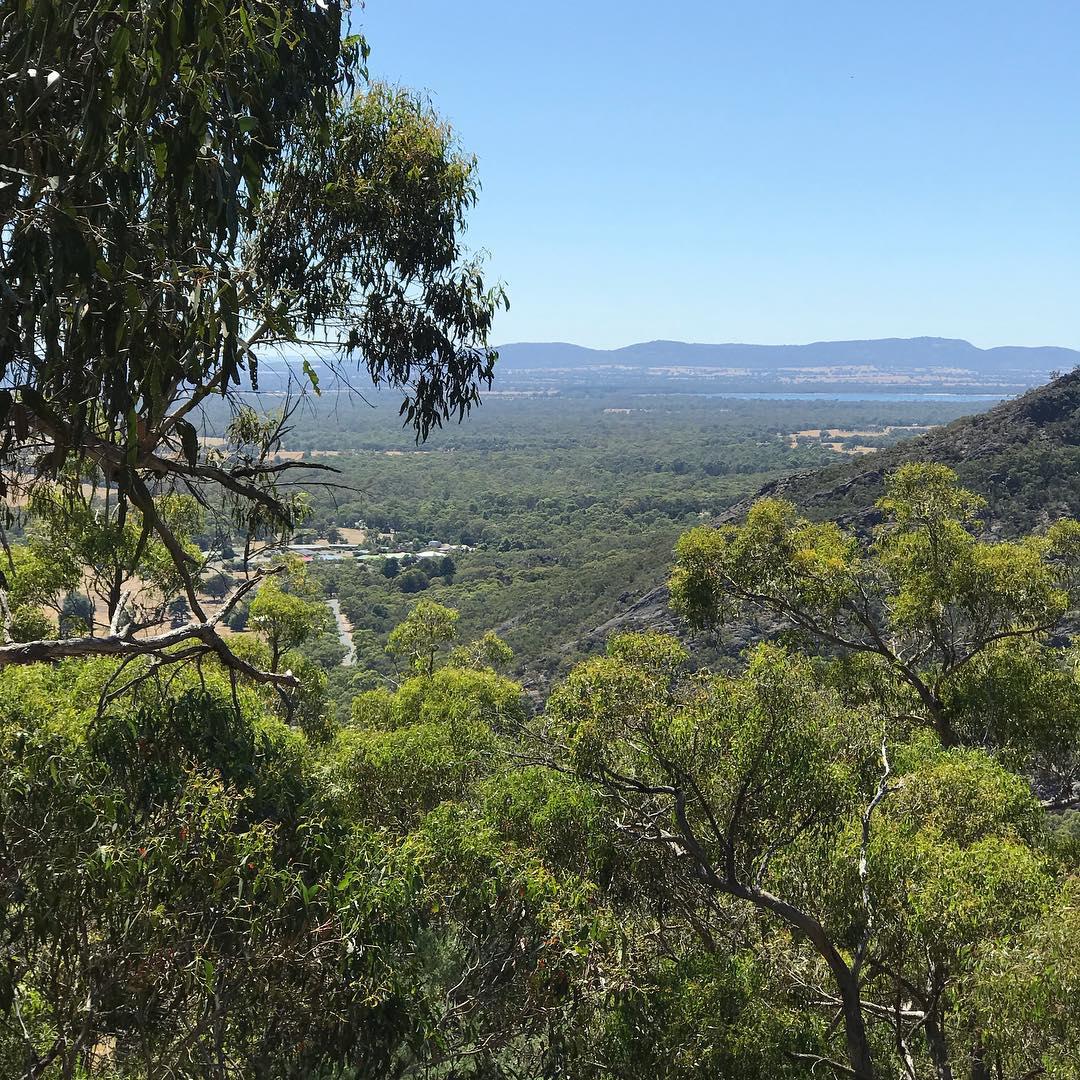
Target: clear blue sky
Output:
[{"x": 763, "y": 170}]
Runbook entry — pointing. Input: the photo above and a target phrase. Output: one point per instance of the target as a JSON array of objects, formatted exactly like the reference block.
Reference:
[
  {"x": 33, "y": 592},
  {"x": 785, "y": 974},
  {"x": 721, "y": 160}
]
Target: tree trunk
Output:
[
  {"x": 980, "y": 1066},
  {"x": 856, "y": 1043},
  {"x": 939, "y": 1049},
  {"x": 940, "y": 719}
]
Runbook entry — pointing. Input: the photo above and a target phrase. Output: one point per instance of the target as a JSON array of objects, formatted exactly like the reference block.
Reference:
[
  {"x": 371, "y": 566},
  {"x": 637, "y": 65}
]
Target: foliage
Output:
[
  {"x": 287, "y": 613},
  {"x": 488, "y": 651},
  {"x": 161, "y": 869},
  {"x": 896, "y": 870},
  {"x": 189, "y": 881},
  {"x": 925, "y": 599},
  {"x": 419, "y": 638},
  {"x": 186, "y": 187},
  {"x": 1026, "y": 989},
  {"x": 271, "y": 128},
  {"x": 760, "y": 873}
]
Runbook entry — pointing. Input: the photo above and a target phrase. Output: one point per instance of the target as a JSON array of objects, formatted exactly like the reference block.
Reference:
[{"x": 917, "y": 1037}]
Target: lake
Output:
[{"x": 855, "y": 395}]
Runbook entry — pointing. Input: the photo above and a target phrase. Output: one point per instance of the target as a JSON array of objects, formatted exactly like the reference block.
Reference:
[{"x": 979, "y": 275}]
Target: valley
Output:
[
  {"x": 564, "y": 507},
  {"x": 382, "y": 702}
]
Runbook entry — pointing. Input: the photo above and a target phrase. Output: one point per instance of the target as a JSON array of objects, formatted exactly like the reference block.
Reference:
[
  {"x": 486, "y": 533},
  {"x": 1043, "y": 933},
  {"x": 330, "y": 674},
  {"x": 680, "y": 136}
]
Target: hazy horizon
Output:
[{"x": 783, "y": 344}]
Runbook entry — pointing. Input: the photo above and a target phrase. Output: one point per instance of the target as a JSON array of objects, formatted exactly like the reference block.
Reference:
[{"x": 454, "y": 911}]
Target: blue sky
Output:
[{"x": 763, "y": 170}]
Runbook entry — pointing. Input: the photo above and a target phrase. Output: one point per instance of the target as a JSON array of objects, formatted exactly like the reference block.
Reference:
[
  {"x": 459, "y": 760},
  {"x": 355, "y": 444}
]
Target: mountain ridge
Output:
[{"x": 894, "y": 353}]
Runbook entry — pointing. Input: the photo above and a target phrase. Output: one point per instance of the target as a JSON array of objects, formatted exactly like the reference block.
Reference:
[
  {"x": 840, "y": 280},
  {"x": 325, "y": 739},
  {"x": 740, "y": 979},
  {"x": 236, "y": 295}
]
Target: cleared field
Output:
[{"x": 818, "y": 435}]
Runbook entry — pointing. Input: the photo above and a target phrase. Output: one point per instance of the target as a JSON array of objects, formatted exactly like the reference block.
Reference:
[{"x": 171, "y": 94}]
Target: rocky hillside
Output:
[{"x": 1023, "y": 456}]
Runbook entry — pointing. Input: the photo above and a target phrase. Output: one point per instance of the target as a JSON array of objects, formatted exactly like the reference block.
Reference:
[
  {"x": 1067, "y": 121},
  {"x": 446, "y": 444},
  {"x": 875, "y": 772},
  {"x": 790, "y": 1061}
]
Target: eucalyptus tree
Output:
[
  {"x": 287, "y": 611},
  {"x": 185, "y": 190},
  {"x": 192, "y": 888},
  {"x": 887, "y": 872},
  {"x": 426, "y": 629},
  {"x": 950, "y": 631}
]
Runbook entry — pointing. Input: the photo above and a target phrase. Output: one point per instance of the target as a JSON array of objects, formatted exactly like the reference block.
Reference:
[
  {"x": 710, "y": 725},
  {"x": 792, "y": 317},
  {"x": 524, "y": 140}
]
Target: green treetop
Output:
[
  {"x": 287, "y": 612},
  {"x": 924, "y": 601},
  {"x": 883, "y": 870}
]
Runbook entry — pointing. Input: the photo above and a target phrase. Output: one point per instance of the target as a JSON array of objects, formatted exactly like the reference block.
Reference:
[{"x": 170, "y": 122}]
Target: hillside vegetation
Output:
[
  {"x": 851, "y": 850},
  {"x": 1022, "y": 457}
]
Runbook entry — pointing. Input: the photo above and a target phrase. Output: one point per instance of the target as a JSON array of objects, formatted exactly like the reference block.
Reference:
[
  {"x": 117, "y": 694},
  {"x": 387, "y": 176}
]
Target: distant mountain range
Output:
[{"x": 890, "y": 354}]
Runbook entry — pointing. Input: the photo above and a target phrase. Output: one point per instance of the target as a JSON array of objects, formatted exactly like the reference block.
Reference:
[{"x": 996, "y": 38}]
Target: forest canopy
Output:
[
  {"x": 800, "y": 864},
  {"x": 853, "y": 850}
]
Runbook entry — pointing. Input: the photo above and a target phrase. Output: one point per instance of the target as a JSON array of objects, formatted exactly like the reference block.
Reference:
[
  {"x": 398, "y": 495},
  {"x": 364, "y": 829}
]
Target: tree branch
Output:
[{"x": 125, "y": 645}]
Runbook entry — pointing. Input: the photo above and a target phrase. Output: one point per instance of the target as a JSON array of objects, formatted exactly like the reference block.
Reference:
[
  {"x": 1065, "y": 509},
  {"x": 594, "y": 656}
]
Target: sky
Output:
[{"x": 775, "y": 171}]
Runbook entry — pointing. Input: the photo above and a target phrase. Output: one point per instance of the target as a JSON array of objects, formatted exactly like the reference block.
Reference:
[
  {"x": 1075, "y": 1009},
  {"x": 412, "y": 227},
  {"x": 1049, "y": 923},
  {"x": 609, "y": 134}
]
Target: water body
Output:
[{"x": 826, "y": 395}]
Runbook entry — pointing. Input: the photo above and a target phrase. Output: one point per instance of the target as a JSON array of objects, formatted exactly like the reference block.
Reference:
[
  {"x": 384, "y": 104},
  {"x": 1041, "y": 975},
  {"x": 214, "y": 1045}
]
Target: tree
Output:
[
  {"x": 34, "y": 578},
  {"x": 414, "y": 580},
  {"x": 237, "y": 620},
  {"x": 925, "y": 602},
  {"x": 192, "y": 888},
  {"x": 488, "y": 651},
  {"x": 622, "y": 718},
  {"x": 218, "y": 585},
  {"x": 287, "y": 613},
  {"x": 187, "y": 187},
  {"x": 181, "y": 866},
  {"x": 425, "y": 630},
  {"x": 1027, "y": 992},
  {"x": 860, "y": 798},
  {"x": 122, "y": 565},
  {"x": 178, "y": 612},
  {"x": 390, "y": 568},
  {"x": 894, "y": 863}
]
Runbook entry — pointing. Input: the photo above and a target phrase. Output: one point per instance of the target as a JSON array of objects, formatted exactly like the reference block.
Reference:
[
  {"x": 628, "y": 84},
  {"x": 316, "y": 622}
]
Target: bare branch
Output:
[
  {"x": 883, "y": 789},
  {"x": 157, "y": 645}
]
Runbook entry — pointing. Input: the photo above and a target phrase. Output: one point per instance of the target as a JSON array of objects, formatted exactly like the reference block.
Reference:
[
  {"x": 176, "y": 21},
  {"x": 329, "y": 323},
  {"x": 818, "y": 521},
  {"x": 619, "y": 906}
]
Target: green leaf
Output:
[{"x": 313, "y": 377}]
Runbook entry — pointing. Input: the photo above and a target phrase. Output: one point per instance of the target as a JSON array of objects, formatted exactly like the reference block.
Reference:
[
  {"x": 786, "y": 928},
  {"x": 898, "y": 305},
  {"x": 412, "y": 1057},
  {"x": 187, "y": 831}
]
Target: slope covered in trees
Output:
[
  {"x": 1022, "y": 457},
  {"x": 569, "y": 504},
  {"x": 853, "y": 852}
]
